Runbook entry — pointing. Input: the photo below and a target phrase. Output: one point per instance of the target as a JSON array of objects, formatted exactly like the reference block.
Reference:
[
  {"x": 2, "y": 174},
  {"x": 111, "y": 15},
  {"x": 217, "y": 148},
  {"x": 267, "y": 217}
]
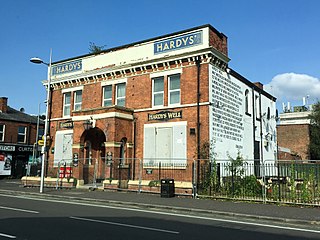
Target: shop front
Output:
[{"x": 14, "y": 159}]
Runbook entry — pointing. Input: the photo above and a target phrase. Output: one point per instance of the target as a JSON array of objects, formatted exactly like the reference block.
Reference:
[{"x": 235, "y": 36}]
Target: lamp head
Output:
[{"x": 36, "y": 60}]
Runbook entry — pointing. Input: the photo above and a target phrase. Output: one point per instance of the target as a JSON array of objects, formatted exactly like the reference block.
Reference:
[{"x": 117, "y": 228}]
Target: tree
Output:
[
  {"x": 314, "y": 146},
  {"x": 93, "y": 48}
]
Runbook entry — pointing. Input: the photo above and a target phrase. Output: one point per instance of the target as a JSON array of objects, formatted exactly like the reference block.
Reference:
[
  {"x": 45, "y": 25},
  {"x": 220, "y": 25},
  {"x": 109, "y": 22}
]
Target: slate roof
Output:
[{"x": 18, "y": 116}]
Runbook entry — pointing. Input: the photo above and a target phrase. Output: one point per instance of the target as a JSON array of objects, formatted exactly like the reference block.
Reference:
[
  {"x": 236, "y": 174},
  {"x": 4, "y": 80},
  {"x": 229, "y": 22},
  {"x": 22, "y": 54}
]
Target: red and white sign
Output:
[{"x": 65, "y": 172}]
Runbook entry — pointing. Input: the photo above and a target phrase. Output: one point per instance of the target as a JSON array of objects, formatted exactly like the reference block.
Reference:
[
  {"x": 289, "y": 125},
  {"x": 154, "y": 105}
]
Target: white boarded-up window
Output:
[
  {"x": 63, "y": 147},
  {"x": 165, "y": 143}
]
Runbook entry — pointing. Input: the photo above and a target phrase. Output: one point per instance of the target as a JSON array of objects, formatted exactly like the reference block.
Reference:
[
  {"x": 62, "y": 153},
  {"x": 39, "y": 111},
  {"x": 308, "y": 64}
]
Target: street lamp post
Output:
[{"x": 44, "y": 150}]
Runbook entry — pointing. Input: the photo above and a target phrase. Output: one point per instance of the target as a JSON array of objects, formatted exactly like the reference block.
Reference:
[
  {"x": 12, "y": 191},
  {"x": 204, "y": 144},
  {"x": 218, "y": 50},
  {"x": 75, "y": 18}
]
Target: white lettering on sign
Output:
[
  {"x": 187, "y": 40},
  {"x": 165, "y": 115},
  {"x": 67, "y": 67},
  {"x": 7, "y": 148}
]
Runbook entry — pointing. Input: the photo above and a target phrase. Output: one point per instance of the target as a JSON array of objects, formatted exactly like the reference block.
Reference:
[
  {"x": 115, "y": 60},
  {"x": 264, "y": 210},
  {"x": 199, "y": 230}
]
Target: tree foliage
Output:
[
  {"x": 93, "y": 48},
  {"x": 314, "y": 146}
]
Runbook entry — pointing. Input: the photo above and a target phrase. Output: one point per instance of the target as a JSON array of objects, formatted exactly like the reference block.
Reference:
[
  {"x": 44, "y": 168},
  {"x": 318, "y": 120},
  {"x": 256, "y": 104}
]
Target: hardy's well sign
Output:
[{"x": 164, "y": 115}]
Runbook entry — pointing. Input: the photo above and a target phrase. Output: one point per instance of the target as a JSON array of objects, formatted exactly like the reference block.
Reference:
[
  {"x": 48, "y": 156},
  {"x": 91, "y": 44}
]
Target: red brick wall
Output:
[
  {"x": 218, "y": 41},
  {"x": 295, "y": 137},
  {"x": 11, "y": 132},
  {"x": 138, "y": 92},
  {"x": 139, "y": 97},
  {"x": 3, "y": 104},
  {"x": 189, "y": 114},
  {"x": 91, "y": 96},
  {"x": 56, "y": 104}
]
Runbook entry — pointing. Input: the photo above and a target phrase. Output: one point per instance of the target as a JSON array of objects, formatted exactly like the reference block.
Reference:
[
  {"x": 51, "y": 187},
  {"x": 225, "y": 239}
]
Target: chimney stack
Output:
[
  {"x": 259, "y": 85},
  {"x": 3, "y": 104}
]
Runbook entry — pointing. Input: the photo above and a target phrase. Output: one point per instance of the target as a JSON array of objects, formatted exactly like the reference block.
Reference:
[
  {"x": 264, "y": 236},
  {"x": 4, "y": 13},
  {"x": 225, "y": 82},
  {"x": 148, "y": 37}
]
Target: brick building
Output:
[
  {"x": 159, "y": 100},
  {"x": 18, "y": 132},
  {"x": 294, "y": 135}
]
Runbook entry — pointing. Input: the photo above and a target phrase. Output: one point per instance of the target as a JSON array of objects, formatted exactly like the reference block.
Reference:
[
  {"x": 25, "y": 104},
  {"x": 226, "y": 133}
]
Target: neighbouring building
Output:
[
  {"x": 18, "y": 134},
  {"x": 159, "y": 100},
  {"x": 294, "y": 134}
]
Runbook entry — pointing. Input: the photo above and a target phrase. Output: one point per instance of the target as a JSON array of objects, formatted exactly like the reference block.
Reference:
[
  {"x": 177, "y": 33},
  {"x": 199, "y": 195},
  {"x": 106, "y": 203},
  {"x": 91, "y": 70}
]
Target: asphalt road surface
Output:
[{"x": 35, "y": 218}]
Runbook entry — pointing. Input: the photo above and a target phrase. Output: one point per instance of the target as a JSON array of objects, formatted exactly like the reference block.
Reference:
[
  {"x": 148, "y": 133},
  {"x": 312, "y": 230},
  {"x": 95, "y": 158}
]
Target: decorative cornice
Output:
[{"x": 140, "y": 68}]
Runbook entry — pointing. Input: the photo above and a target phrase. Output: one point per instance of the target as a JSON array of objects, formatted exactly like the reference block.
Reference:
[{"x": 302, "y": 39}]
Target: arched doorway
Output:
[{"x": 92, "y": 141}]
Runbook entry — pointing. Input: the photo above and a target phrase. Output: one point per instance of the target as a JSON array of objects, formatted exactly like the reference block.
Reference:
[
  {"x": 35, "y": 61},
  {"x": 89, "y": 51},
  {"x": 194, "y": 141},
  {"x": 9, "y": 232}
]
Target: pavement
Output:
[{"x": 270, "y": 212}]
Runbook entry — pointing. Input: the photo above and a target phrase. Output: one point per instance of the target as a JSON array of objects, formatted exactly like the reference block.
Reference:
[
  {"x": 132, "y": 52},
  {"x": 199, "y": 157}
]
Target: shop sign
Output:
[
  {"x": 172, "y": 44},
  {"x": 67, "y": 67},
  {"x": 165, "y": 115},
  {"x": 7, "y": 148},
  {"x": 25, "y": 149},
  {"x": 67, "y": 124},
  {"x": 11, "y": 148}
]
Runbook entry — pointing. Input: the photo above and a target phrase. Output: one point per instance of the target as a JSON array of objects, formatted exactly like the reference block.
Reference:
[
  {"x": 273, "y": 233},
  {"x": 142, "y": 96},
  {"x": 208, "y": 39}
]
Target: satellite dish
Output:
[{"x": 22, "y": 110}]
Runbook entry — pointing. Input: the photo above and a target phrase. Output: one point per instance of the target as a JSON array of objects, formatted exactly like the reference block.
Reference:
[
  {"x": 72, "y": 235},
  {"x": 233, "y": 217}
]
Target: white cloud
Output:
[{"x": 292, "y": 87}]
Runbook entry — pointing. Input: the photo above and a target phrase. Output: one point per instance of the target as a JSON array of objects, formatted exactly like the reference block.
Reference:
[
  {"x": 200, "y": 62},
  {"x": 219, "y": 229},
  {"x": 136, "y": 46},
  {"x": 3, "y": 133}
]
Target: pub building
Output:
[{"x": 159, "y": 100}]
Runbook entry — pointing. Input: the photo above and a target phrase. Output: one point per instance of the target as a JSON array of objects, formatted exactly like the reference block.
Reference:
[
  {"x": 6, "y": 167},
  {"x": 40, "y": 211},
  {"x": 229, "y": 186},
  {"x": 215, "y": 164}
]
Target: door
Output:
[
  {"x": 256, "y": 156},
  {"x": 164, "y": 144},
  {"x": 87, "y": 162}
]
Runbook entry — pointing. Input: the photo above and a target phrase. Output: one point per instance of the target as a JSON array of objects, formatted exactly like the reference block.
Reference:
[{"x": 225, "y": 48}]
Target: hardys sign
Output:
[
  {"x": 184, "y": 41},
  {"x": 164, "y": 115},
  {"x": 67, "y": 124},
  {"x": 67, "y": 67}
]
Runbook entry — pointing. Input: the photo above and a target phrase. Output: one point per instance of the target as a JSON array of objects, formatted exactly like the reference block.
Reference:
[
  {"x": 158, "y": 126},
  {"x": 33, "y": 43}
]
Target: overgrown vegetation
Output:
[
  {"x": 232, "y": 181},
  {"x": 314, "y": 146},
  {"x": 95, "y": 49},
  {"x": 293, "y": 183},
  {"x": 238, "y": 183}
]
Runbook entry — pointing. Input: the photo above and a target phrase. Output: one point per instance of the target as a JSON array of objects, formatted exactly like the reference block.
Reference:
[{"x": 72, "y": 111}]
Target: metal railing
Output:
[
  {"x": 283, "y": 181},
  {"x": 293, "y": 182}
]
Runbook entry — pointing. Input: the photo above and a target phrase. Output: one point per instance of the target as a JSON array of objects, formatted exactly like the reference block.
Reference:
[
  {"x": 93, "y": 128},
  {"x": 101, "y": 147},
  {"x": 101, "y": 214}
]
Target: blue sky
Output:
[{"x": 273, "y": 42}]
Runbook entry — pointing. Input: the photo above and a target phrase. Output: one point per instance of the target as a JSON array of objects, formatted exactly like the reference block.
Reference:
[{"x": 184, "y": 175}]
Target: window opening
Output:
[
  {"x": 174, "y": 89},
  {"x": 158, "y": 91},
  {"x": 121, "y": 94},
  {"x": 2, "y": 127},
  {"x": 107, "y": 95},
  {"x": 67, "y": 104},
  {"x": 22, "y": 134},
  {"x": 77, "y": 100}
]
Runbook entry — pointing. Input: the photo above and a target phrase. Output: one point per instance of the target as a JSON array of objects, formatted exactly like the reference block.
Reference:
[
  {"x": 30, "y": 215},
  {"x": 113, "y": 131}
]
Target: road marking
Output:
[
  {"x": 7, "y": 236},
  {"x": 170, "y": 214},
  {"x": 19, "y": 209},
  {"x": 13, "y": 182},
  {"x": 125, "y": 225}
]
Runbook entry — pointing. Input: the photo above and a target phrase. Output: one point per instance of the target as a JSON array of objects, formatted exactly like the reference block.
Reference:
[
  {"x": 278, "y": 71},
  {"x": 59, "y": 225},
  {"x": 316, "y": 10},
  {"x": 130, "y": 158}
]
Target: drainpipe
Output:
[
  {"x": 198, "y": 62},
  {"x": 261, "y": 134},
  {"x": 264, "y": 193},
  {"x": 134, "y": 147},
  {"x": 253, "y": 118}
]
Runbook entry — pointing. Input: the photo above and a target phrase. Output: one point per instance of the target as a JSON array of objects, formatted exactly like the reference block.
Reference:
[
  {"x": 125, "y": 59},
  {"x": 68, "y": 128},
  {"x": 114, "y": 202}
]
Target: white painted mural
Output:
[{"x": 237, "y": 120}]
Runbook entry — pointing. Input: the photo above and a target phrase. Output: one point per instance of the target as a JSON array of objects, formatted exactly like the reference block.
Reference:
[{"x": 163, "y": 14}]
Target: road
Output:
[{"x": 35, "y": 218}]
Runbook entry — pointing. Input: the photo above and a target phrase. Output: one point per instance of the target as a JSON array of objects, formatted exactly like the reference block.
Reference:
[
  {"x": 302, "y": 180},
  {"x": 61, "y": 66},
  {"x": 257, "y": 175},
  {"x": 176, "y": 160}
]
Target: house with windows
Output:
[
  {"x": 294, "y": 133},
  {"x": 157, "y": 101},
  {"x": 18, "y": 139}
]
